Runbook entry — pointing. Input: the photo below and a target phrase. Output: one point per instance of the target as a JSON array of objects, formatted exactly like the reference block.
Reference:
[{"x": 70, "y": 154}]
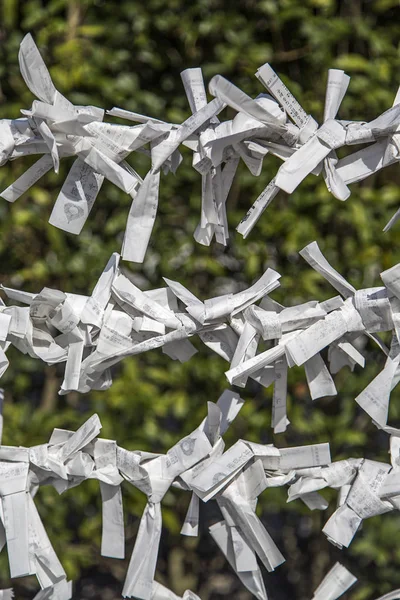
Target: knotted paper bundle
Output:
[
  {"x": 55, "y": 128},
  {"x": 362, "y": 312},
  {"x": 273, "y": 123},
  {"x": 70, "y": 458},
  {"x": 91, "y": 334},
  {"x": 197, "y": 463},
  {"x": 366, "y": 488},
  {"x": 200, "y": 464}
]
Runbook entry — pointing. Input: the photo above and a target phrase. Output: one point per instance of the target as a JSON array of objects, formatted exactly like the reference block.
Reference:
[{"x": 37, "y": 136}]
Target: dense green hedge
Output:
[{"x": 130, "y": 54}]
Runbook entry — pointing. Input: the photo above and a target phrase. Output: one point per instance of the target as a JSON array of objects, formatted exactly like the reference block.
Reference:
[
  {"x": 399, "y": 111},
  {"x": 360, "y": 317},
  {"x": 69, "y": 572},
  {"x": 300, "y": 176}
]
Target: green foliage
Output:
[{"x": 130, "y": 54}]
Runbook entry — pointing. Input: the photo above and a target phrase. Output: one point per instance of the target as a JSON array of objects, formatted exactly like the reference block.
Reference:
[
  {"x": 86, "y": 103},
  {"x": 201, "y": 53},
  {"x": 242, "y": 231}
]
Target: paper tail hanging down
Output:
[
  {"x": 91, "y": 334},
  {"x": 273, "y": 123}
]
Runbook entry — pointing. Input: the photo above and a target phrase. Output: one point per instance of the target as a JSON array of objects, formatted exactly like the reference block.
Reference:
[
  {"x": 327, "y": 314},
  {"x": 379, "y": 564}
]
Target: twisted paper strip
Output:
[
  {"x": 275, "y": 124},
  {"x": 200, "y": 464},
  {"x": 90, "y": 334}
]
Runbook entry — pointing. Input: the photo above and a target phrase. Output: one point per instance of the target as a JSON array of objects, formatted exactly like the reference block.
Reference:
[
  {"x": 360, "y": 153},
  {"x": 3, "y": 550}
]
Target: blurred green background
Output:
[{"x": 130, "y": 54}]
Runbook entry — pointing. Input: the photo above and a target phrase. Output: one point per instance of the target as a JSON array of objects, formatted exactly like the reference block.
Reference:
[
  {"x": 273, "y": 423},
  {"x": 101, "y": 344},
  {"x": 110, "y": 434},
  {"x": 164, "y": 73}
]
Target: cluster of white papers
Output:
[
  {"x": 200, "y": 464},
  {"x": 273, "y": 123},
  {"x": 90, "y": 334},
  {"x": 257, "y": 336}
]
